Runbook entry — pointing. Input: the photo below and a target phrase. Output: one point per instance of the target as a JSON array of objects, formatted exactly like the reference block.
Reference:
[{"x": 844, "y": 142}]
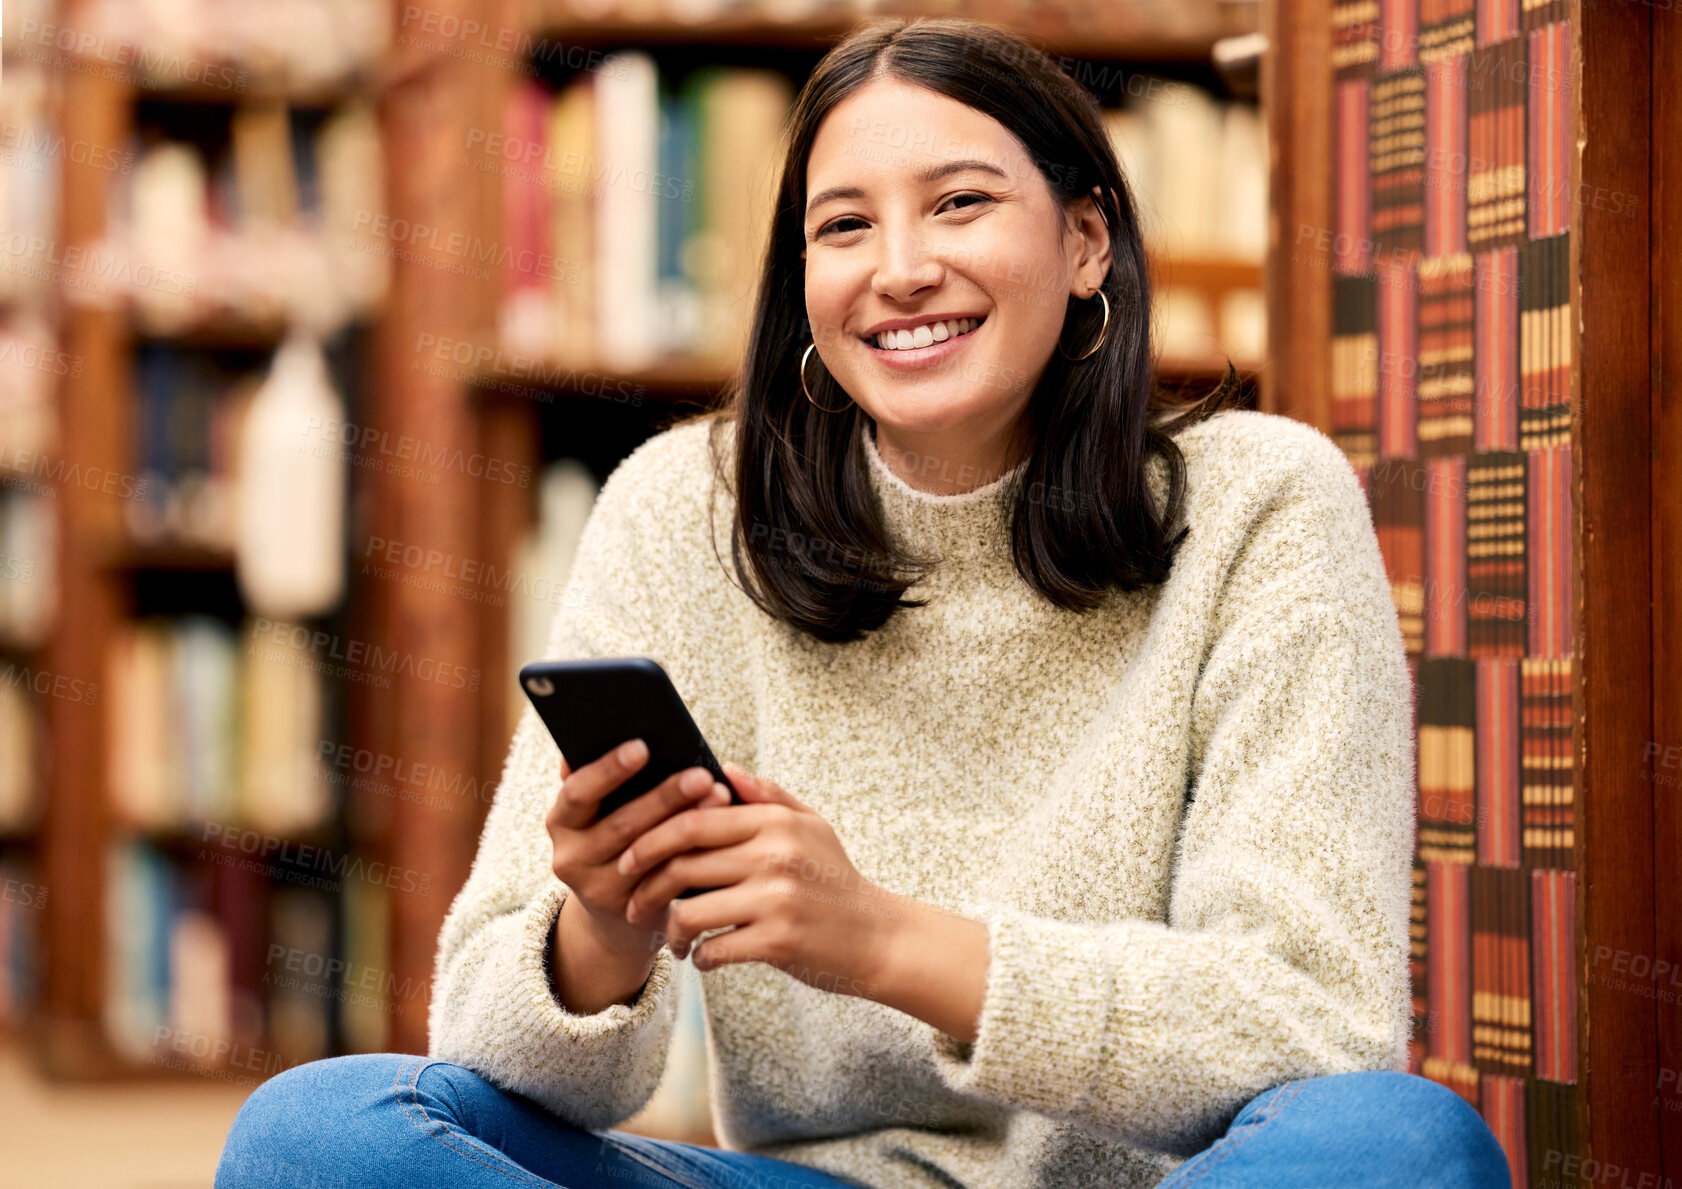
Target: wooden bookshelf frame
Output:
[{"x": 1626, "y": 448}]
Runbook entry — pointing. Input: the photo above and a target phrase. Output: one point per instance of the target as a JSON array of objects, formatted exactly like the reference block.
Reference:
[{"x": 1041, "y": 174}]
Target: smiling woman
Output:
[
  {"x": 954, "y": 241},
  {"x": 1088, "y": 867}
]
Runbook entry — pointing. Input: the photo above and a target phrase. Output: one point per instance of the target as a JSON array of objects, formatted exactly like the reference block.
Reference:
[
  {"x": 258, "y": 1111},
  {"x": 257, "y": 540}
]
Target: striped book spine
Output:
[
  {"x": 1498, "y": 762},
  {"x": 1398, "y": 352},
  {"x": 1501, "y": 971},
  {"x": 1445, "y": 560},
  {"x": 1354, "y": 37},
  {"x": 1398, "y": 34},
  {"x": 1445, "y": 29},
  {"x": 1352, "y": 243},
  {"x": 1448, "y": 1045},
  {"x": 1445, "y": 156},
  {"x": 1546, "y": 790},
  {"x": 1548, "y": 551},
  {"x": 1396, "y": 156},
  {"x": 1495, "y": 535},
  {"x": 1497, "y": 20},
  {"x": 1447, "y": 768},
  {"x": 1503, "y": 1110},
  {"x": 1544, "y": 334},
  {"x": 1553, "y": 897},
  {"x": 1495, "y": 95},
  {"x": 1355, "y": 368},
  {"x": 1445, "y": 355},
  {"x": 1495, "y": 374},
  {"x": 1396, "y": 492},
  {"x": 1548, "y": 164},
  {"x": 1418, "y": 958}
]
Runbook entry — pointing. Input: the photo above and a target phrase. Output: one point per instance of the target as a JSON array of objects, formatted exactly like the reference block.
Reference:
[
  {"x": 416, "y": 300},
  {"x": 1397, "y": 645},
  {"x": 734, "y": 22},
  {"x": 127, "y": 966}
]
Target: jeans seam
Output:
[
  {"x": 682, "y": 1176},
  {"x": 1268, "y": 1113},
  {"x": 472, "y": 1153}
]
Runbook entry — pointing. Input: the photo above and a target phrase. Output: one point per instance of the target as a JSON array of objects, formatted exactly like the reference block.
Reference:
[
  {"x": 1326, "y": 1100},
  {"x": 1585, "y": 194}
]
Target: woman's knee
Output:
[
  {"x": 306, "y": 1125},
  {"x": 1419, "y": 1123}
]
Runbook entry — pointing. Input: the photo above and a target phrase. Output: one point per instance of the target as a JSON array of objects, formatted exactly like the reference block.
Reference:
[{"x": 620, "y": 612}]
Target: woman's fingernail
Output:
[
  {"x": 626, "y": 862},
  {"x": 633, "y": 752}
]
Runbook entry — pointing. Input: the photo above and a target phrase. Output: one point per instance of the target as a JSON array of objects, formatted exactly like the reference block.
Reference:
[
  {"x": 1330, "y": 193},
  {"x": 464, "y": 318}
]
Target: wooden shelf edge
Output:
[{"x": 1133, "y": 32}]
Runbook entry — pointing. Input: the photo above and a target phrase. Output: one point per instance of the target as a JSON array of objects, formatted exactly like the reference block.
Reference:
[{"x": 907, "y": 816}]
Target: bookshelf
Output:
[{"x": 157, "y": 943}]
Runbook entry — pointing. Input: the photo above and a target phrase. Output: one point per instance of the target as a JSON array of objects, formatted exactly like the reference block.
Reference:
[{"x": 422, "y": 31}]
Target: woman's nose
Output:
[{"x": 906, "y": 262}]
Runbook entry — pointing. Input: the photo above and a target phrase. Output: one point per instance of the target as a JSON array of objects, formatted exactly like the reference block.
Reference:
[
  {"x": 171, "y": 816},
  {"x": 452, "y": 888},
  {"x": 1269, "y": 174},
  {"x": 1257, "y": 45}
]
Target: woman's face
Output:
[{"x": 920, "y": 208}]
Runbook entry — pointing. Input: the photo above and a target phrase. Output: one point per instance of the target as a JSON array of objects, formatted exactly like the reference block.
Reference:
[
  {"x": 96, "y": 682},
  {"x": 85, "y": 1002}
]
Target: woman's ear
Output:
[{"x": 1089, "y": 221}]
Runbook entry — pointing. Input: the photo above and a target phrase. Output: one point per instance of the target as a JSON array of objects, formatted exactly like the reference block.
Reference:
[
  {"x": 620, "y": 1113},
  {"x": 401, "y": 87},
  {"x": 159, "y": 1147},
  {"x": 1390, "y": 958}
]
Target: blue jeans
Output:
[{"x": 384, "y": 1120}]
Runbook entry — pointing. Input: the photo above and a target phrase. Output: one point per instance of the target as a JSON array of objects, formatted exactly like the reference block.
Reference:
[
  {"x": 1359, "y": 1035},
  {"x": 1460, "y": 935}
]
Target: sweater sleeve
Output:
[
  {"x": 1284, "y": 954},
  {"x": 493, "y": 1009}
]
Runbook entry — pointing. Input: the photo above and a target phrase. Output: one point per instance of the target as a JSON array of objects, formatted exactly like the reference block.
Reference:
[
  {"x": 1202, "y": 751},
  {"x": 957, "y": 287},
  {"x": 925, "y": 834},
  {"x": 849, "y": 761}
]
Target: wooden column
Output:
[
  {"x": 1296, "y": 90},
  {"x": 1612, "y": 455},
  {"x": 1664, "y": 213},
  {"x": 92, "y": 446},
  {"x": 427, "y": 117}
]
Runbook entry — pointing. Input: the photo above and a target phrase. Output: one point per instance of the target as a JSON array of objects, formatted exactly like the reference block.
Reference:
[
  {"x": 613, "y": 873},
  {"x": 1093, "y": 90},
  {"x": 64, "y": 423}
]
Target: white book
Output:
[{"x": 627, "y": 211}]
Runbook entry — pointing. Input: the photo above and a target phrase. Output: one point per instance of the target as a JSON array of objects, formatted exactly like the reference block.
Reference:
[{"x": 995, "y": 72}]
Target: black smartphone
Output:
[{"x": 592, "y": 706}]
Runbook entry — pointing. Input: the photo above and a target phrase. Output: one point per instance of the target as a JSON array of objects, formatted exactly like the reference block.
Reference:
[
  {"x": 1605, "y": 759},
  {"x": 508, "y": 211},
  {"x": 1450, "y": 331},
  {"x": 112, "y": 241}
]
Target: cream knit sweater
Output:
[{"x": 1186, "y": 819}]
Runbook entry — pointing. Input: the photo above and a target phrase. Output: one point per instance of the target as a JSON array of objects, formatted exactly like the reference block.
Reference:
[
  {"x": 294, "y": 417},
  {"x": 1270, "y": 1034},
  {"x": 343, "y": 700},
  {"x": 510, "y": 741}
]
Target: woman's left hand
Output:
[{"x": 780, "y": 876}]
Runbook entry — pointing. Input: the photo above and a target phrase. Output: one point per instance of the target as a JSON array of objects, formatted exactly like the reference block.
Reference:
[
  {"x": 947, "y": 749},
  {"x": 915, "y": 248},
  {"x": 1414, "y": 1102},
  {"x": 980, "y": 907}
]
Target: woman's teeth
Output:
[{"x": 923, "y": 336}]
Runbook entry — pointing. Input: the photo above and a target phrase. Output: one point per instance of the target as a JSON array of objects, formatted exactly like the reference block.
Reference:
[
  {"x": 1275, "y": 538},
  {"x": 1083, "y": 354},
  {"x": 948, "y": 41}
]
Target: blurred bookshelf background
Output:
[{"x": 320, "y": 326}]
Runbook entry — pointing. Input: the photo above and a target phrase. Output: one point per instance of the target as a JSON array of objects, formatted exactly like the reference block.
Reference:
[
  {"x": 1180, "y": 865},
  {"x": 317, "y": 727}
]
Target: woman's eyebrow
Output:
[{"x": 932, "y": 173}]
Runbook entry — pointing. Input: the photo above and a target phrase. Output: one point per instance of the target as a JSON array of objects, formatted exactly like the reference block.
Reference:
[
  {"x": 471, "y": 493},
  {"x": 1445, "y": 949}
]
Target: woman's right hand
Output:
[{"x": 586, "y": 851}]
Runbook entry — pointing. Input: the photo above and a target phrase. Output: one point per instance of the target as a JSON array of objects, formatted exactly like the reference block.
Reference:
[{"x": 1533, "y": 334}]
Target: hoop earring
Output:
[
  {"x": 1102, "y": 331},
  {"x": 804, "y": 356}
]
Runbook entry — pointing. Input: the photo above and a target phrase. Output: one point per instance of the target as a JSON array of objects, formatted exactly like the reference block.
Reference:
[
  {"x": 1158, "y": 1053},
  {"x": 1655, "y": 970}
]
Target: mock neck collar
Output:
[{"x": 966, "y": 524}]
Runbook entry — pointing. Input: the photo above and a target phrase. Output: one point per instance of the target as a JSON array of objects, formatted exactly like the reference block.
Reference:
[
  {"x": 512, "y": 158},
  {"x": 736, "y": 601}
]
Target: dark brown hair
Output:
[{"x": 800, "y": 474}]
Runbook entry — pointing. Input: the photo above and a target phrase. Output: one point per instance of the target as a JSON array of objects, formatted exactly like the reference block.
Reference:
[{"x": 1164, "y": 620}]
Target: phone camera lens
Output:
[{"x": 541, "y": 686}]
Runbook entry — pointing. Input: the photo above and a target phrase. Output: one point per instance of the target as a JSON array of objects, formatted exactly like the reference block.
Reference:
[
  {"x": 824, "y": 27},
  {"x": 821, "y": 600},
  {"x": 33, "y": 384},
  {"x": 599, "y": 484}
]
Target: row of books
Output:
[
  {"x": 1198, "y": 171},
  {"x": 232, "y": 45},
  {"x": 635, "y": 204},
  {"x": 23, "y": 902},
  {"x": 28, "y": 562},
  {"x": 213, "y": 724},
  {"x": 245, "y": 462},
  {"x": 262, "y": 234},
  {"x": 215, "y": 960},
  {"x": 191, "y": 409},
  {"x": 1197, "y": 167}
]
